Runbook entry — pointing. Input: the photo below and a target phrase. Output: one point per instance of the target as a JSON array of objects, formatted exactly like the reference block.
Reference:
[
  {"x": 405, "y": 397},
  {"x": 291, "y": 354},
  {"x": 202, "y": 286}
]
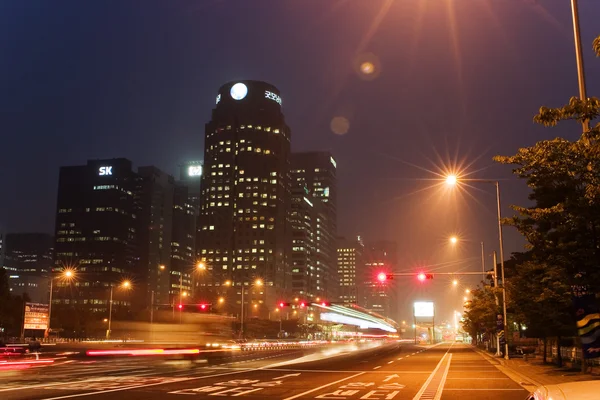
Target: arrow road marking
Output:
[{"x": 390, "y": 377}]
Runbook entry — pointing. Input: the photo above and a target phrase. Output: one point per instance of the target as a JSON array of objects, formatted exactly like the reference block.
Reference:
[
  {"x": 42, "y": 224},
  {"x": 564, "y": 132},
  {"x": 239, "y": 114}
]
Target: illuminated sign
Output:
[
  {"x": 424, "y": 309},
  {"x": 36, "y": 316},
  {"x": 272, "y": 96},
  {"x": 333, "y": 162},
  {"x": 218, "y": 98},
  {"x": 238, "y": 91},
  {"x": 102, "y": 171},
  {"x": 195, "y": 170}
]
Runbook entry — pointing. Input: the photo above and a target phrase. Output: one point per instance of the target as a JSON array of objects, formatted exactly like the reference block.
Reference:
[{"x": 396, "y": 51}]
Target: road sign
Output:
[{"x": 36, "y": 316}]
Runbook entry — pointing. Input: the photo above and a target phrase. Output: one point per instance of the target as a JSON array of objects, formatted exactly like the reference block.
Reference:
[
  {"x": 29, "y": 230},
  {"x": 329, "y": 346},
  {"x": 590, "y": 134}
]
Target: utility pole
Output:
[{"x": 498, "y": 352}]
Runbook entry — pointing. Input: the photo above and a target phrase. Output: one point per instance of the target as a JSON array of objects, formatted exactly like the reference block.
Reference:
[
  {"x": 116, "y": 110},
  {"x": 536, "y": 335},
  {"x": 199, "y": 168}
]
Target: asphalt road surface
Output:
[{"x": 444, "y": 371}]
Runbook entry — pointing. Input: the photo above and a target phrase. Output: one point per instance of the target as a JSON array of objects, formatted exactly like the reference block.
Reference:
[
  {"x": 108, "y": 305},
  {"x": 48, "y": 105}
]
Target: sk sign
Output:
[{"x": 105, "y": 171}]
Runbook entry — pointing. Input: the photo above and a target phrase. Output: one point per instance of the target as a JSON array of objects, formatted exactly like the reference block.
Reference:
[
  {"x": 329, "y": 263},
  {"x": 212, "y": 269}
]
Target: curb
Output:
[{"x": 525, "y": 381}]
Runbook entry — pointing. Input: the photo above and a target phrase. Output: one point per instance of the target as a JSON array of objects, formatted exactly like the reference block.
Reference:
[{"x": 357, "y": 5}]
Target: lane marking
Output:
[
  {"x": 438, "y": 394},
  {"x": 390, "y": 362},
  {"x": 331, "y": 371},
  {"x": 315, "y": 389},
  {"x": 470, "y": 379},
  {"x": 428, "y": 381},
  {"x": 377, "y": 367},
  {"x": 399, "y": 358},
  {"x": 520, "y": 390}
]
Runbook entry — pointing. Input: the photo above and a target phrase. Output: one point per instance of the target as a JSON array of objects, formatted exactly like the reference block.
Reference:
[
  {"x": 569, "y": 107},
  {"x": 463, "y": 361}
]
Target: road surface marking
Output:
[
  {"x": 438, "y": 394},
  {"x": 431, "y": 376},
  {"x": 470, "y": 379},
  {"x": 390, "y": 362},
  {"x": 521, "y": 390},
  {"x": 377, "y": 367},
  {"x": 399, "y": 358},
  {"x": 318, "y": 388},
  {"x": 127, "y": 387}
]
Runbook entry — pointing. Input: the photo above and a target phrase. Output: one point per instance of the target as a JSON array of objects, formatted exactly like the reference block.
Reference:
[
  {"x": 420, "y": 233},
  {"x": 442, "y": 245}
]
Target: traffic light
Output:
[
  {"x": 283, "y": 304},
  {"x": 382, "y": 277},
  {"x": 180, "y": 306},
  {"x": 302, "y": 304},
  {"x": 423, "y": 276},
  {"x": 204, "y": 307},
  {"x": 325, "y": 303}
]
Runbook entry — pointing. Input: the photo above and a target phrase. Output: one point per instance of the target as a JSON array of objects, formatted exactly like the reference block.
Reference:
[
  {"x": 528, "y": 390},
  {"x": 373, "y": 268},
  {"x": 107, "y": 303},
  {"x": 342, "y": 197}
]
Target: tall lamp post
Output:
[
  {"x": 257, "y": 282},
  {"x": 124, "y": 285},
  {"x": 453, "y": 180},
  {"x": 67, "y": 274}
]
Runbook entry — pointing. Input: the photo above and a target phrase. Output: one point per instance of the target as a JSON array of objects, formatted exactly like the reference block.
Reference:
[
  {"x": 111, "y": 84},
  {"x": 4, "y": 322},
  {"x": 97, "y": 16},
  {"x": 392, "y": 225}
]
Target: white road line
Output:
[
  {"x": 438, "y": 394},
  {"x": 315, "y": 389},
  {"x": 470, "y": 379},
  {"x": 399, "y": 358},
  {"x": 424, "y": 387},
  {"x": 390, "y": 362},
  {"x": 487, "y": 389},
  {"x": 377, "y": 367}
]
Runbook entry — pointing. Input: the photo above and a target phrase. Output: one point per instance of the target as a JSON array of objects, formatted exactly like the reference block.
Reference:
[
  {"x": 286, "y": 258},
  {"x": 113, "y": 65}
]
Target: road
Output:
[{"x": 445, "y": 371}]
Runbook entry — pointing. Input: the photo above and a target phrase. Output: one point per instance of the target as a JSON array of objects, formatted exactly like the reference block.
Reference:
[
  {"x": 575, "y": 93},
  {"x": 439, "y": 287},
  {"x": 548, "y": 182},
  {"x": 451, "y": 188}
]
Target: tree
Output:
[
  {"x": 480, "y": 314},
  {"x": 563, "y": 226},
  {"x": 540, "y": 298}
]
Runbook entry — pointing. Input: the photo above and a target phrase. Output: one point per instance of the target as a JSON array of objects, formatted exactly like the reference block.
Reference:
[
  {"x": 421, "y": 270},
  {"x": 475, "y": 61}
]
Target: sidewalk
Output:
[{"x": 534, "y": 373}]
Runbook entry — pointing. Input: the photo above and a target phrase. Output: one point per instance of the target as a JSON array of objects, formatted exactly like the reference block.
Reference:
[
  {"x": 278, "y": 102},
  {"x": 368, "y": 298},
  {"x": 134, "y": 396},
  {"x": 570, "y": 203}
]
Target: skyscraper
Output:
[
  {"x": 306, "y": 216},
  {"x": 97, "y": 226},
  {"x": 243, "y": 233},
  {"x": 190, "y": 175},
  {"x": 316, "y": 171},
  {"x": 28, "y": 259},
  {"x": 380, "y": 256},
  {"x": 350, "y": 269},
  {"x": 115, "y": 224}
]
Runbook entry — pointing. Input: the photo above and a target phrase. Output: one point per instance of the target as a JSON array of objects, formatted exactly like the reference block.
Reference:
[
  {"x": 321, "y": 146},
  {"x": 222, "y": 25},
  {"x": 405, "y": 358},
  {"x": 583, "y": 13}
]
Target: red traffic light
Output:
[
  {"x": 283, "y": 304},
  {"x": 325, "y": 303},
  {"x": 423, "y": 276},
  {"x": 203, "y": 306},
  {"x": 302, "y": 304},
  {"x": 382, "y": 277},
  {"x": 180, "y": 306}
]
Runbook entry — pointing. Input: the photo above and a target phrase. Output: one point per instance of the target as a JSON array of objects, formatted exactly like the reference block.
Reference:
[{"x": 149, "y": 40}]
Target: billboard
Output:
[
  {"x": 36, "y": 316},
  {"x": 423, "y": 309}
]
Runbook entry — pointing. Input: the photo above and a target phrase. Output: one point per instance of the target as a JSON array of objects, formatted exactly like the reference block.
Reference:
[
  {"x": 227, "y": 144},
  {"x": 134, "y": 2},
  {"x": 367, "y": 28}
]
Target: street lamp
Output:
[
  {"x": 453, "y": 240},
  {"x": 67, "y": 274},
  {"x": 452, "y": 180},
  {"x": 124, "y": 285}
]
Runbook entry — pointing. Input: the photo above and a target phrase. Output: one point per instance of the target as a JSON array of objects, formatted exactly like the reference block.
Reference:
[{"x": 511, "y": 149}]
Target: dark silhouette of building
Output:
[
  {"x": 316, "y": 172},
  {"x": 28, "y": 260},
  {"x": 114, "y": 224},
  {"x": 242, "y": 229},
  {"x": 97, "y": 233}
]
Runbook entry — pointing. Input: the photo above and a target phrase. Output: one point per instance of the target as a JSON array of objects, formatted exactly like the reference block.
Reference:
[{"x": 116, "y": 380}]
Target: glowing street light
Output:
[
  {"x": 453, "y": 240},
  {"x": 257, "y": 282},
  {"x": 455, "y": 282},
  {"x": 467, "y": 291},
  {"x": 124, "y": 285},
  {"x": 67, "y": 274},
  {"x": 451, "y": 180},
  {"x": 201, "y": 266},
  {"x": 221, "y": 300}
]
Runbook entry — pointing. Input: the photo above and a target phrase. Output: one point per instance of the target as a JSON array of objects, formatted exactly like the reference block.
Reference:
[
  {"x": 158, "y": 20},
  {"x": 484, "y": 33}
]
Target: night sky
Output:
[{"x": 455, "y": 83}]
